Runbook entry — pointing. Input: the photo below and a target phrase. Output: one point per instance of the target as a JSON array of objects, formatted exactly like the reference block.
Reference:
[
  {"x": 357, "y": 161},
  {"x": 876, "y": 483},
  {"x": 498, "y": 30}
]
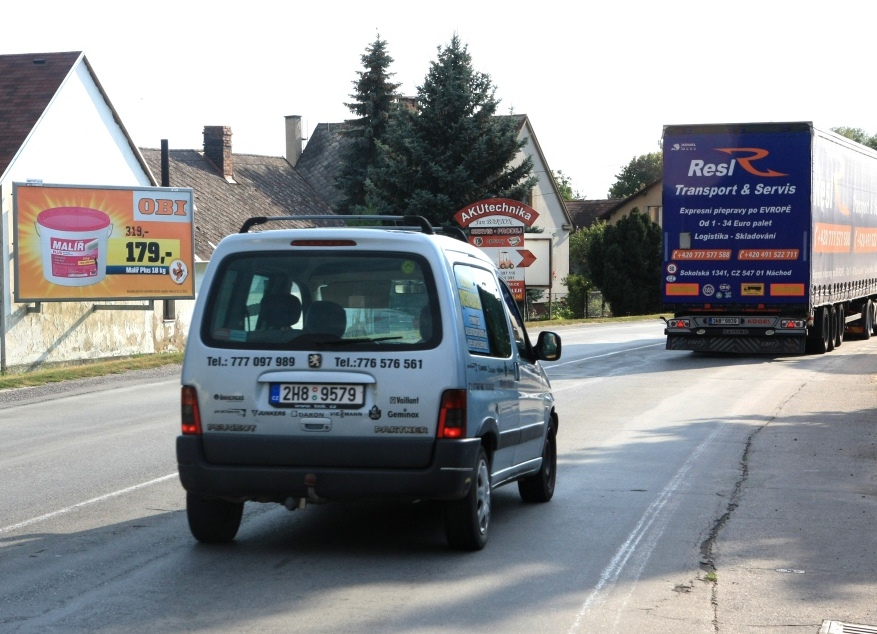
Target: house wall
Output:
[
  {"x": 77, "y": 142},
  {"x": 647, "y": 201},
  {"x": 552, "y": 217}
]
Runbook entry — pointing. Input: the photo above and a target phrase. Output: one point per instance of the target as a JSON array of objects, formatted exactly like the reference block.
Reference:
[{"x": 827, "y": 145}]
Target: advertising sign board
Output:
[
  {"x": 78, "y": 243},
  {"x": 496, "y": 226}
]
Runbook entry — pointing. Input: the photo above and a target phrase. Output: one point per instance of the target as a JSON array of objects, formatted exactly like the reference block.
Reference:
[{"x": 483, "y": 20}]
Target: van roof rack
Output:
[{"x": 417, "y": 222}]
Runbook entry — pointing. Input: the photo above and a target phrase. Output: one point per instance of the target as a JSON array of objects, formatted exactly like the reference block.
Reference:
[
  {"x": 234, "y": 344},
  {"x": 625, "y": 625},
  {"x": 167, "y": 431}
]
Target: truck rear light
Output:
[
  {"x": 679, "y": 323},
  {"x": 792, "y": 323},
  {"x": 452, "y": 415},
  {"x": 191, "y": 415}
]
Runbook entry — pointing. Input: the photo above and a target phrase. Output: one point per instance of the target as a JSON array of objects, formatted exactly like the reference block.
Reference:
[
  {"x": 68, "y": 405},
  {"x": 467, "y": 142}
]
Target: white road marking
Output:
[
  {"x": 600, "y": 356},
  {"x": 101, "y": 498},
  {"x": 613, "y": 571}
]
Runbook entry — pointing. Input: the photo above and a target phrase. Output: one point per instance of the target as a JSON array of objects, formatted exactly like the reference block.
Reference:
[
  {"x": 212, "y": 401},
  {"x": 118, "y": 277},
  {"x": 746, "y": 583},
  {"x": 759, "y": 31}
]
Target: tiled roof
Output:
[
  {"x": 263, "y": 186},
  {"x": 27, "y": 85},
  {"x": 585, "y": 213},
  {"x": 321, "y": 159}
]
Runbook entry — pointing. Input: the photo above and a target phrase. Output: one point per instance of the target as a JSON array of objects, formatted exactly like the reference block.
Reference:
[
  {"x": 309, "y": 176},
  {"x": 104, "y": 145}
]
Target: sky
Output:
[{"x": 598, "y": 81}]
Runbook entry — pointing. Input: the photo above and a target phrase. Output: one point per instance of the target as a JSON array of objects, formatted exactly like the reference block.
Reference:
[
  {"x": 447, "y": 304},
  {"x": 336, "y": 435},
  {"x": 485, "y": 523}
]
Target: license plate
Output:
[
  {"x": 317, "y": 395},
  {"x": 724, "y": 321}
]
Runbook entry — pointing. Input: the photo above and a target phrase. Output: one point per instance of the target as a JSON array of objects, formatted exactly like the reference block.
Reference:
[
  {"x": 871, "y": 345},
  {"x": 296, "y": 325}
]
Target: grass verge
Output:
[{"x": 103, "y": 367}]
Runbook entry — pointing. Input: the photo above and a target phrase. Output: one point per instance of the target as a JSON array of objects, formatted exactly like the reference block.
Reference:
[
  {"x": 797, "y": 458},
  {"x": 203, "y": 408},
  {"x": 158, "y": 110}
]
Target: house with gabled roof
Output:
[
  {"x": 648, "y": 200},
  {"x": 58, "y": 126},
  {"x": 321, "y": 158}
]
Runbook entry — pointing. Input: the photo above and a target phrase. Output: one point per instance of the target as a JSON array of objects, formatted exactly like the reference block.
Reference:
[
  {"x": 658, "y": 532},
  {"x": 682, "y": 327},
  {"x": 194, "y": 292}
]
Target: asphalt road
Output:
[{"x": 653, "y": 462}]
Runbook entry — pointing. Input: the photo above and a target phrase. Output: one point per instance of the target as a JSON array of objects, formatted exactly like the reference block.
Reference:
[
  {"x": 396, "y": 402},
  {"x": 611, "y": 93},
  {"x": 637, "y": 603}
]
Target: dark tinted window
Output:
[{"x": 280, "y": 300}]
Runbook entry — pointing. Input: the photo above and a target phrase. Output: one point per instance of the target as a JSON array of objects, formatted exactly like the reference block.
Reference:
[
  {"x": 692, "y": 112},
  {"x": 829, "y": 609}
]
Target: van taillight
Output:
[
  {"x": 452, "y": 415},
  {"x": 191, "y": 416}
]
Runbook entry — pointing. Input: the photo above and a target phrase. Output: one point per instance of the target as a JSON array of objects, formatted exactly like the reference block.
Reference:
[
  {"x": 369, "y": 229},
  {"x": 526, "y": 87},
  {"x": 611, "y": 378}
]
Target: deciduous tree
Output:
[
  {"x": 636, "y": 175},
  {"x": 858, "y": 135}
]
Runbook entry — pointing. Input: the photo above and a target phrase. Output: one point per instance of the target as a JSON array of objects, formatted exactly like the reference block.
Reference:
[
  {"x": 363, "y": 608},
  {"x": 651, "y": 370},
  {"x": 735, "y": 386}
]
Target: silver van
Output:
[{"x": 361, "y": 363}]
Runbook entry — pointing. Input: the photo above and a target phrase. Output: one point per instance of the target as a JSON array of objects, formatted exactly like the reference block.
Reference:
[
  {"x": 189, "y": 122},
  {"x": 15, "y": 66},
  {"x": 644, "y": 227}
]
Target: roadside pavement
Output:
[{"x": 798, "y": 553}]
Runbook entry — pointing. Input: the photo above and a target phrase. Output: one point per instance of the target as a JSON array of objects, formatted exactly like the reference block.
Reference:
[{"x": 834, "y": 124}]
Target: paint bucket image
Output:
[{"x": 73, "y": 243}]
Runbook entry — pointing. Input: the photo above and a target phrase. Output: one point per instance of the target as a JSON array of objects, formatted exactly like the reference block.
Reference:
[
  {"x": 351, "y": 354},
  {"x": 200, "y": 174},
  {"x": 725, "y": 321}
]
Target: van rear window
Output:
[{"x": 304, "y": 300}]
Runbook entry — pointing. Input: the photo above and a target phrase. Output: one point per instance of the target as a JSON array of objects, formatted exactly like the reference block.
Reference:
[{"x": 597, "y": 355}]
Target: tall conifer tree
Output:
[
  {"x": 454, "y": 150},
  {"x": 373, "y": 101}
]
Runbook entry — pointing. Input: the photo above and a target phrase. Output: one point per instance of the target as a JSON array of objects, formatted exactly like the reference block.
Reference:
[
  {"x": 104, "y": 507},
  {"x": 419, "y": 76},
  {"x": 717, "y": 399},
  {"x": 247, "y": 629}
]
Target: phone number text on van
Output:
[{"x": 370, "y": 362}]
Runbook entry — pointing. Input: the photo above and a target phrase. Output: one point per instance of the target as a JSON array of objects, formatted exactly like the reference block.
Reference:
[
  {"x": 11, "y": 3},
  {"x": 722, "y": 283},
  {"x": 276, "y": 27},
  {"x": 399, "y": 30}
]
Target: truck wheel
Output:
[
  {"x": 467, "y": 521},
  {"x": 817, "y": 342},
  {"x": 831, "y": 333},
  {"x": 840, "y": 313},
  {"x": 539, "y": 487},
  {"x": 212, "y": 520},
  {"x": 867, "y": 319}
]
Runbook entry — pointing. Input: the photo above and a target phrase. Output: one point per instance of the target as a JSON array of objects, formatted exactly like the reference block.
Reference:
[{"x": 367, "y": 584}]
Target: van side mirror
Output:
[{"x": 548, "y": 346}]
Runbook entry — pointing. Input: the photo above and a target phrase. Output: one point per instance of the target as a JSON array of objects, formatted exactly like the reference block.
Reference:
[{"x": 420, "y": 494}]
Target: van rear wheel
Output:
[
  {"x": 213, "y": 520},
  {"x": 467, "y": 521}
]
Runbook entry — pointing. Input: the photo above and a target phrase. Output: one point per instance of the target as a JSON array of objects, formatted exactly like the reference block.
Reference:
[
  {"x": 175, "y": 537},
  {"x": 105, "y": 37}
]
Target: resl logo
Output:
[{"x": 748, "y": 156}]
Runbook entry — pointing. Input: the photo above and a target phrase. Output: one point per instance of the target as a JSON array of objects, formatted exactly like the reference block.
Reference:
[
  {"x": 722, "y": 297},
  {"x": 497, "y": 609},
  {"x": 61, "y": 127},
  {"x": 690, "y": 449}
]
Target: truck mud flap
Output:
[{"x": 744, "y": 345}]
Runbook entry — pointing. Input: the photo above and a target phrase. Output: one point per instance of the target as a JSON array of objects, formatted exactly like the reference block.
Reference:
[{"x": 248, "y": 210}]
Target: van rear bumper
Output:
[{"x": 447, "y": 478}]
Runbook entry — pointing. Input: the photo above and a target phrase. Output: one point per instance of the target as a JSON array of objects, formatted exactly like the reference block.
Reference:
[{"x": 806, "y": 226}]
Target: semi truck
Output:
[{"x": 769, "y": 238}]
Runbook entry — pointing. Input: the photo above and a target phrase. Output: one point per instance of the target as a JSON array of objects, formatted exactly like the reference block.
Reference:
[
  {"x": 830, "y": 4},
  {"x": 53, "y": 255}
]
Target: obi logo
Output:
[
  {"x": 176, "y": 208},
  {"x": 745, "y": 157}
]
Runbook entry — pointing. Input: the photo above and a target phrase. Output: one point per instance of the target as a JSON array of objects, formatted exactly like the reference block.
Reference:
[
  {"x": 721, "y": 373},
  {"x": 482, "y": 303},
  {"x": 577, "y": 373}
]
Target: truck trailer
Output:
[{"x": 769, "y": 238}]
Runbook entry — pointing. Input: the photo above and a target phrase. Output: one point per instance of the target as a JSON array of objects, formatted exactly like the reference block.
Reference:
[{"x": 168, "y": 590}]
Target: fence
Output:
[{"x": 593, "y": 306}]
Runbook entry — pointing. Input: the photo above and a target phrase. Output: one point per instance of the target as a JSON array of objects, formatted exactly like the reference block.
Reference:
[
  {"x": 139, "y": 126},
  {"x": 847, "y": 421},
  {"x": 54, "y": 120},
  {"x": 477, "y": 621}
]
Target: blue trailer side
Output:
[{"x": 770, "y": 238}]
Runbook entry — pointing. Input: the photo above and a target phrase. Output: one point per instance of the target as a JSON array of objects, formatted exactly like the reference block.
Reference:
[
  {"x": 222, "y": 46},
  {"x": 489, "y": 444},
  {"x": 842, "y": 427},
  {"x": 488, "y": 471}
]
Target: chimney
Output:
[
  {"x": 293, "y": 139},
  {"x": 217, "y": 148}
]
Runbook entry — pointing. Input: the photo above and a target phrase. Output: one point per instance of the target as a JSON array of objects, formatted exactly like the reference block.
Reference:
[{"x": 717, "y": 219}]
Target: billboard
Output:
[{"x": 78, "y": 243}]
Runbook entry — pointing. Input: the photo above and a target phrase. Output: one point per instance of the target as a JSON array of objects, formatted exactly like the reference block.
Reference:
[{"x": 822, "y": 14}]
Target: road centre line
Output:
[
  {"x": 616, "y": 566},
  {"x": 101, "y": 498},
  {"x": 600, "y": 356}
]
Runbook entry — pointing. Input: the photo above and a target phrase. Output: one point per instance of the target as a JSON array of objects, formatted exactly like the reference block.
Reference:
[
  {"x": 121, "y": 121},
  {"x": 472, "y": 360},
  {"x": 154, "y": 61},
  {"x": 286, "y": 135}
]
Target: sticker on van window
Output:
[
  {"x": 473, "y": 312},
  {"x": 408, "y": 267}
]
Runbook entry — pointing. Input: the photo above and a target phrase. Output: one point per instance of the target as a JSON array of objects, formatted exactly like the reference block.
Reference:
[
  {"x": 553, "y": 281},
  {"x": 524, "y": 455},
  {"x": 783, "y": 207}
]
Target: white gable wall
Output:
[
  {"x": 77, "y": 142},
  {"x": 552, "y": 214}
]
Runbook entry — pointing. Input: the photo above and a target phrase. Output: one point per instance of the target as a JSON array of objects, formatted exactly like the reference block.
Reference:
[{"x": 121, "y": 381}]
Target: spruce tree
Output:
[
  {"x": 454, "y": 150},
  {"x": 624, "y": 261},
  {"x": 373, "y": 101}
]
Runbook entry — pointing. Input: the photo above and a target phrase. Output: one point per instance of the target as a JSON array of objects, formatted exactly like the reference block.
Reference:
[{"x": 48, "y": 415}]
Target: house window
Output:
[{"x": 656, "y": 214}]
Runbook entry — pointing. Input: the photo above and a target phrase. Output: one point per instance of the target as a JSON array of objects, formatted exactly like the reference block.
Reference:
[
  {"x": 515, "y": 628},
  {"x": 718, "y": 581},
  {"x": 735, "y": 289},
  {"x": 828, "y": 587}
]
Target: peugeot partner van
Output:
[{"x": 361, "y": 363}]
